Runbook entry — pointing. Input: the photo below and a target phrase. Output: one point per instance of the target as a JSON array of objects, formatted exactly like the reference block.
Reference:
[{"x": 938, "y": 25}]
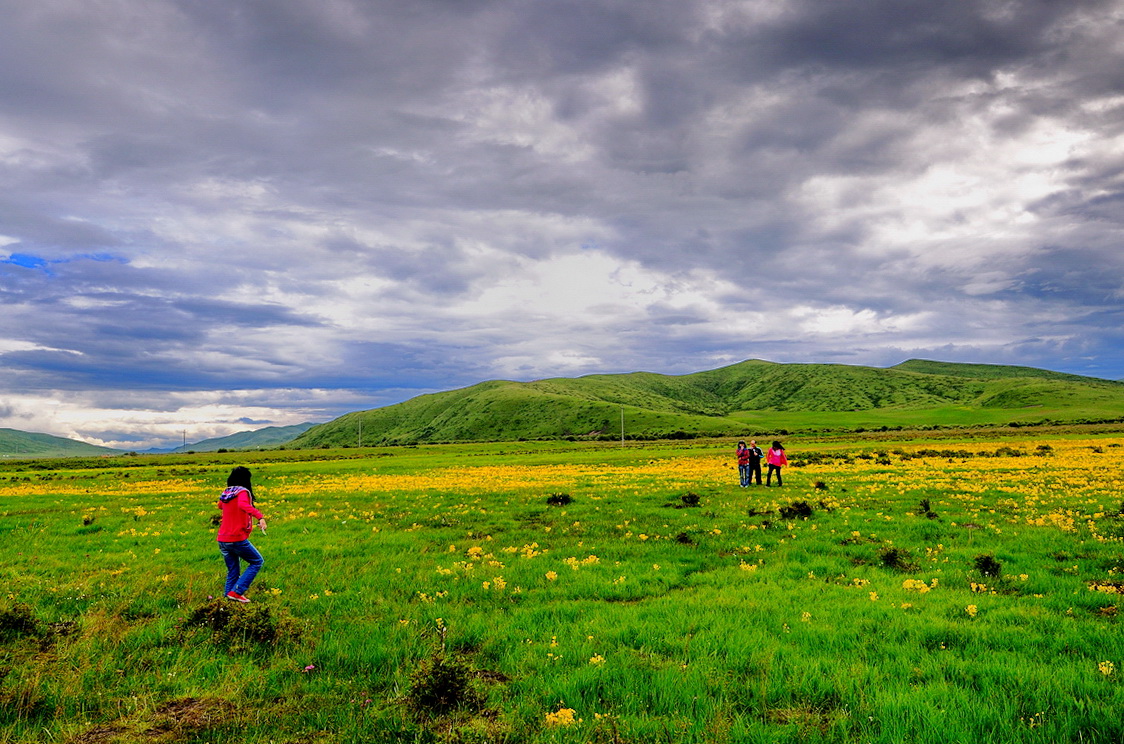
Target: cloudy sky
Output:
[{"x": 218, "y": 216}]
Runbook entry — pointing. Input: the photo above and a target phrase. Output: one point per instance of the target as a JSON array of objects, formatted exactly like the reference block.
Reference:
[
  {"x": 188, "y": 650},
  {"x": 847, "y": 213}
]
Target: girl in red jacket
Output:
[{"x": 238, "y": 515}]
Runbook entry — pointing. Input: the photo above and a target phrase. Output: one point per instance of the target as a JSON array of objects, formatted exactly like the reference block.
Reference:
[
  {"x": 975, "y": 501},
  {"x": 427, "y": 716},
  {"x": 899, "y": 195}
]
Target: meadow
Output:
[{"x": 909, "y": 590}]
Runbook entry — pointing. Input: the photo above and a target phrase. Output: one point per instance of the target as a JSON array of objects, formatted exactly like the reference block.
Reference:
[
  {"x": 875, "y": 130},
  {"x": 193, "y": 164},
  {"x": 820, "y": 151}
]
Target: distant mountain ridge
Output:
[
  {"x": 15, "y": 443},
  {"x": 267, "y": 438},
  {"x": 729, "y": 400}
]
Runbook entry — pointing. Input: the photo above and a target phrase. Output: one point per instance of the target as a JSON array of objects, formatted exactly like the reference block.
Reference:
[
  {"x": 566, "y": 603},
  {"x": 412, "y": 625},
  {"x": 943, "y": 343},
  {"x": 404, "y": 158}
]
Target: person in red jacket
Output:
[
  {"x": 238, "y": 515},
  {"x": 777, "y": 460}
]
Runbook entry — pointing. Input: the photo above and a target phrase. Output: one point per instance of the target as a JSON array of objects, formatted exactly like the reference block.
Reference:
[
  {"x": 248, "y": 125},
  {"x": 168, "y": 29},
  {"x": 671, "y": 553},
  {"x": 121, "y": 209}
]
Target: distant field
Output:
[
  {"x": 948, "y": 416},
  {"x": 944, "y": 590}
]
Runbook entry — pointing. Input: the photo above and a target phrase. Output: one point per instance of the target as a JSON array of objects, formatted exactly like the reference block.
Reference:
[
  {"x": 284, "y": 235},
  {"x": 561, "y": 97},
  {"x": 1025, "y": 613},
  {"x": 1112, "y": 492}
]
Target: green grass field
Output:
[{"x": 950, "y": 590}]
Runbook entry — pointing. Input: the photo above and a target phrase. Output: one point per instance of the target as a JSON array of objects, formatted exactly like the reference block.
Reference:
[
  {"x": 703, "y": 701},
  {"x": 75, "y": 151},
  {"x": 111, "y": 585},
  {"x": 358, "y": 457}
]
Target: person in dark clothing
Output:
[{"x": 755, "y": 457}]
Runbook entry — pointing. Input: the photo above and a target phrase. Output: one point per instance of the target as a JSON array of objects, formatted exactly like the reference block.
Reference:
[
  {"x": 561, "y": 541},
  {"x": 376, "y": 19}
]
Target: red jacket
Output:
[{"x": 238, "y": 515}]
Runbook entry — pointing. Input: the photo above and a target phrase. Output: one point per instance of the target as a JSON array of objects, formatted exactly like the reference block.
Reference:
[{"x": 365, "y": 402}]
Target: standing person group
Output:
[
  {"x": 238, "y": 515},
  {"x": 749, "y": 463}
]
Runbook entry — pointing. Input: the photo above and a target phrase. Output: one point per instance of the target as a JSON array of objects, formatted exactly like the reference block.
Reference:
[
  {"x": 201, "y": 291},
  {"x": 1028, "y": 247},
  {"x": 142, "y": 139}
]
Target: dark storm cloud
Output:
[{"x": 363, "y": 200}]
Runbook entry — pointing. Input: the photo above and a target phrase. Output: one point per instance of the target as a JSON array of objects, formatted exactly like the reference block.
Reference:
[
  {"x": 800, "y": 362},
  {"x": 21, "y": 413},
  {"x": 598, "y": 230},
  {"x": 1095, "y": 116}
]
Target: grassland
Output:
[{"x": 942, "y": 590}]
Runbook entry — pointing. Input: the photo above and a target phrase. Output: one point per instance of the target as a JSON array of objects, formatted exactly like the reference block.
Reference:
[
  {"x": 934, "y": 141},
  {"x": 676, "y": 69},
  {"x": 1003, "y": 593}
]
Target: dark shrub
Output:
[
  {"x": 796, "y": 510},
  {"x": 18, "y": 621},
  {"x": 442, "y": 684},
  {"x": 896, "y": 559},
  {"x": 987, "y": 565},
  {"x": 559, "y": 499},
  {"x": 230, "y": 622}
]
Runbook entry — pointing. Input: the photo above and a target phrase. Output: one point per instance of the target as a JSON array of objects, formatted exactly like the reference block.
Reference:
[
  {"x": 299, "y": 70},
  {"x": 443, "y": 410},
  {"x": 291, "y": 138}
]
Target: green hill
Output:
[
  {"x": 267, "y": 438},
  {"x": 14, "y": 443},
  {"x": 743, "y": 398}
]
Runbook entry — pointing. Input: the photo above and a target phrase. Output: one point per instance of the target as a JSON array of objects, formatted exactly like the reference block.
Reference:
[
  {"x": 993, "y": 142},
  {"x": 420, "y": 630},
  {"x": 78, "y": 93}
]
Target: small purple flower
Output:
[{"x": 309, "y": 668}]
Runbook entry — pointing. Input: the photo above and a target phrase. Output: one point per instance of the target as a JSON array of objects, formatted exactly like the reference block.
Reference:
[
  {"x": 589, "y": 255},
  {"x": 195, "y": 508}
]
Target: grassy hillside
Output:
[
  {"x": 269, "y": 437},
  {"x": 14, "y": 443},
  {"x": 746, "y": 397}
]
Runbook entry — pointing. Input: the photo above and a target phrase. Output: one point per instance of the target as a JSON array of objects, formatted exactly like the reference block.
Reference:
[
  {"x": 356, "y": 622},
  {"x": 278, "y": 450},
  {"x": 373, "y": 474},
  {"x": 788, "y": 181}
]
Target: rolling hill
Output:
[
  {"x": 15, "y": 443},
  {"x": 267, "y": 438},
  {"x": 742, "y": 398}
]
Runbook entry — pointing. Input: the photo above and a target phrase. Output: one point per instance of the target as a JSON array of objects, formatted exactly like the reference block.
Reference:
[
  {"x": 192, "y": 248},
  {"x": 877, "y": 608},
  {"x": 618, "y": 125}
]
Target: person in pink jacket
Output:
[
  {"x": 238, "y": 515},
  {"x": 776, "y": 460}
]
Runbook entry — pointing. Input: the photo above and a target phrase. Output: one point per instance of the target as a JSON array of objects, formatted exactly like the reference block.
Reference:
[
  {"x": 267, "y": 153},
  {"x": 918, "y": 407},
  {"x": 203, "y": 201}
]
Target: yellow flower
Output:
[
  {"x": 1107, "y": 668},
  {"x": 972, "y": 610},
  {"x": 916, "y": 585},
  {"x": 562, "y": 717},
  {"x": 551, "y": 575},
  {"x": 597, "y": 660},
  {"x": 874, "y": 596}
]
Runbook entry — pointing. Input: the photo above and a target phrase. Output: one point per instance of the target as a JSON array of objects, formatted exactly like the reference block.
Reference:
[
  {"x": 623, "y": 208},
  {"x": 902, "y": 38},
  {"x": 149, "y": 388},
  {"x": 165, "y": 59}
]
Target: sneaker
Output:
[{"x": 236, "y": 597}]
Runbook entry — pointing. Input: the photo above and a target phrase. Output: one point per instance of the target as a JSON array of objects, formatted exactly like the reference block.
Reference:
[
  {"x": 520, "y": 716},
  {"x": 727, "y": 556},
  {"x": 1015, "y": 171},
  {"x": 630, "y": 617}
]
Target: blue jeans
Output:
[
  {"x": 237, "y": 580},
  {"x": 743, "y": 474}
]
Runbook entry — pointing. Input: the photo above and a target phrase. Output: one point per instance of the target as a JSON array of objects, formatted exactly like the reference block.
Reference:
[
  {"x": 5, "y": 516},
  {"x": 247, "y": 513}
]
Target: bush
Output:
[
  {"x": 18, "y": 621},
  {"x": 232, "y": 623},
  {"x": 988, "y": 566},
  {"x": 797, "y": 510},
  {"x": 559, "y": 499},
  {"x": 442, "y": 684},
  {"x": 896, "y": 559}
]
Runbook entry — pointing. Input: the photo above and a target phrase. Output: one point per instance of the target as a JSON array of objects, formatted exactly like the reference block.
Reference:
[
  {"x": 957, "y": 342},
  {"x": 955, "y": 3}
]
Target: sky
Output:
[{"x": 221, "y": 216}]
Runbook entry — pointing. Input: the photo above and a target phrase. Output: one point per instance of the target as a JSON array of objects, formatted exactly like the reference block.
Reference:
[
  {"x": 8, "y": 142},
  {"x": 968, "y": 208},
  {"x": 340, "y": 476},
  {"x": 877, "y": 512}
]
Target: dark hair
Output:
[
  {"x": 240, "y": 476},
  {"x": 777, "y": 444}
]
